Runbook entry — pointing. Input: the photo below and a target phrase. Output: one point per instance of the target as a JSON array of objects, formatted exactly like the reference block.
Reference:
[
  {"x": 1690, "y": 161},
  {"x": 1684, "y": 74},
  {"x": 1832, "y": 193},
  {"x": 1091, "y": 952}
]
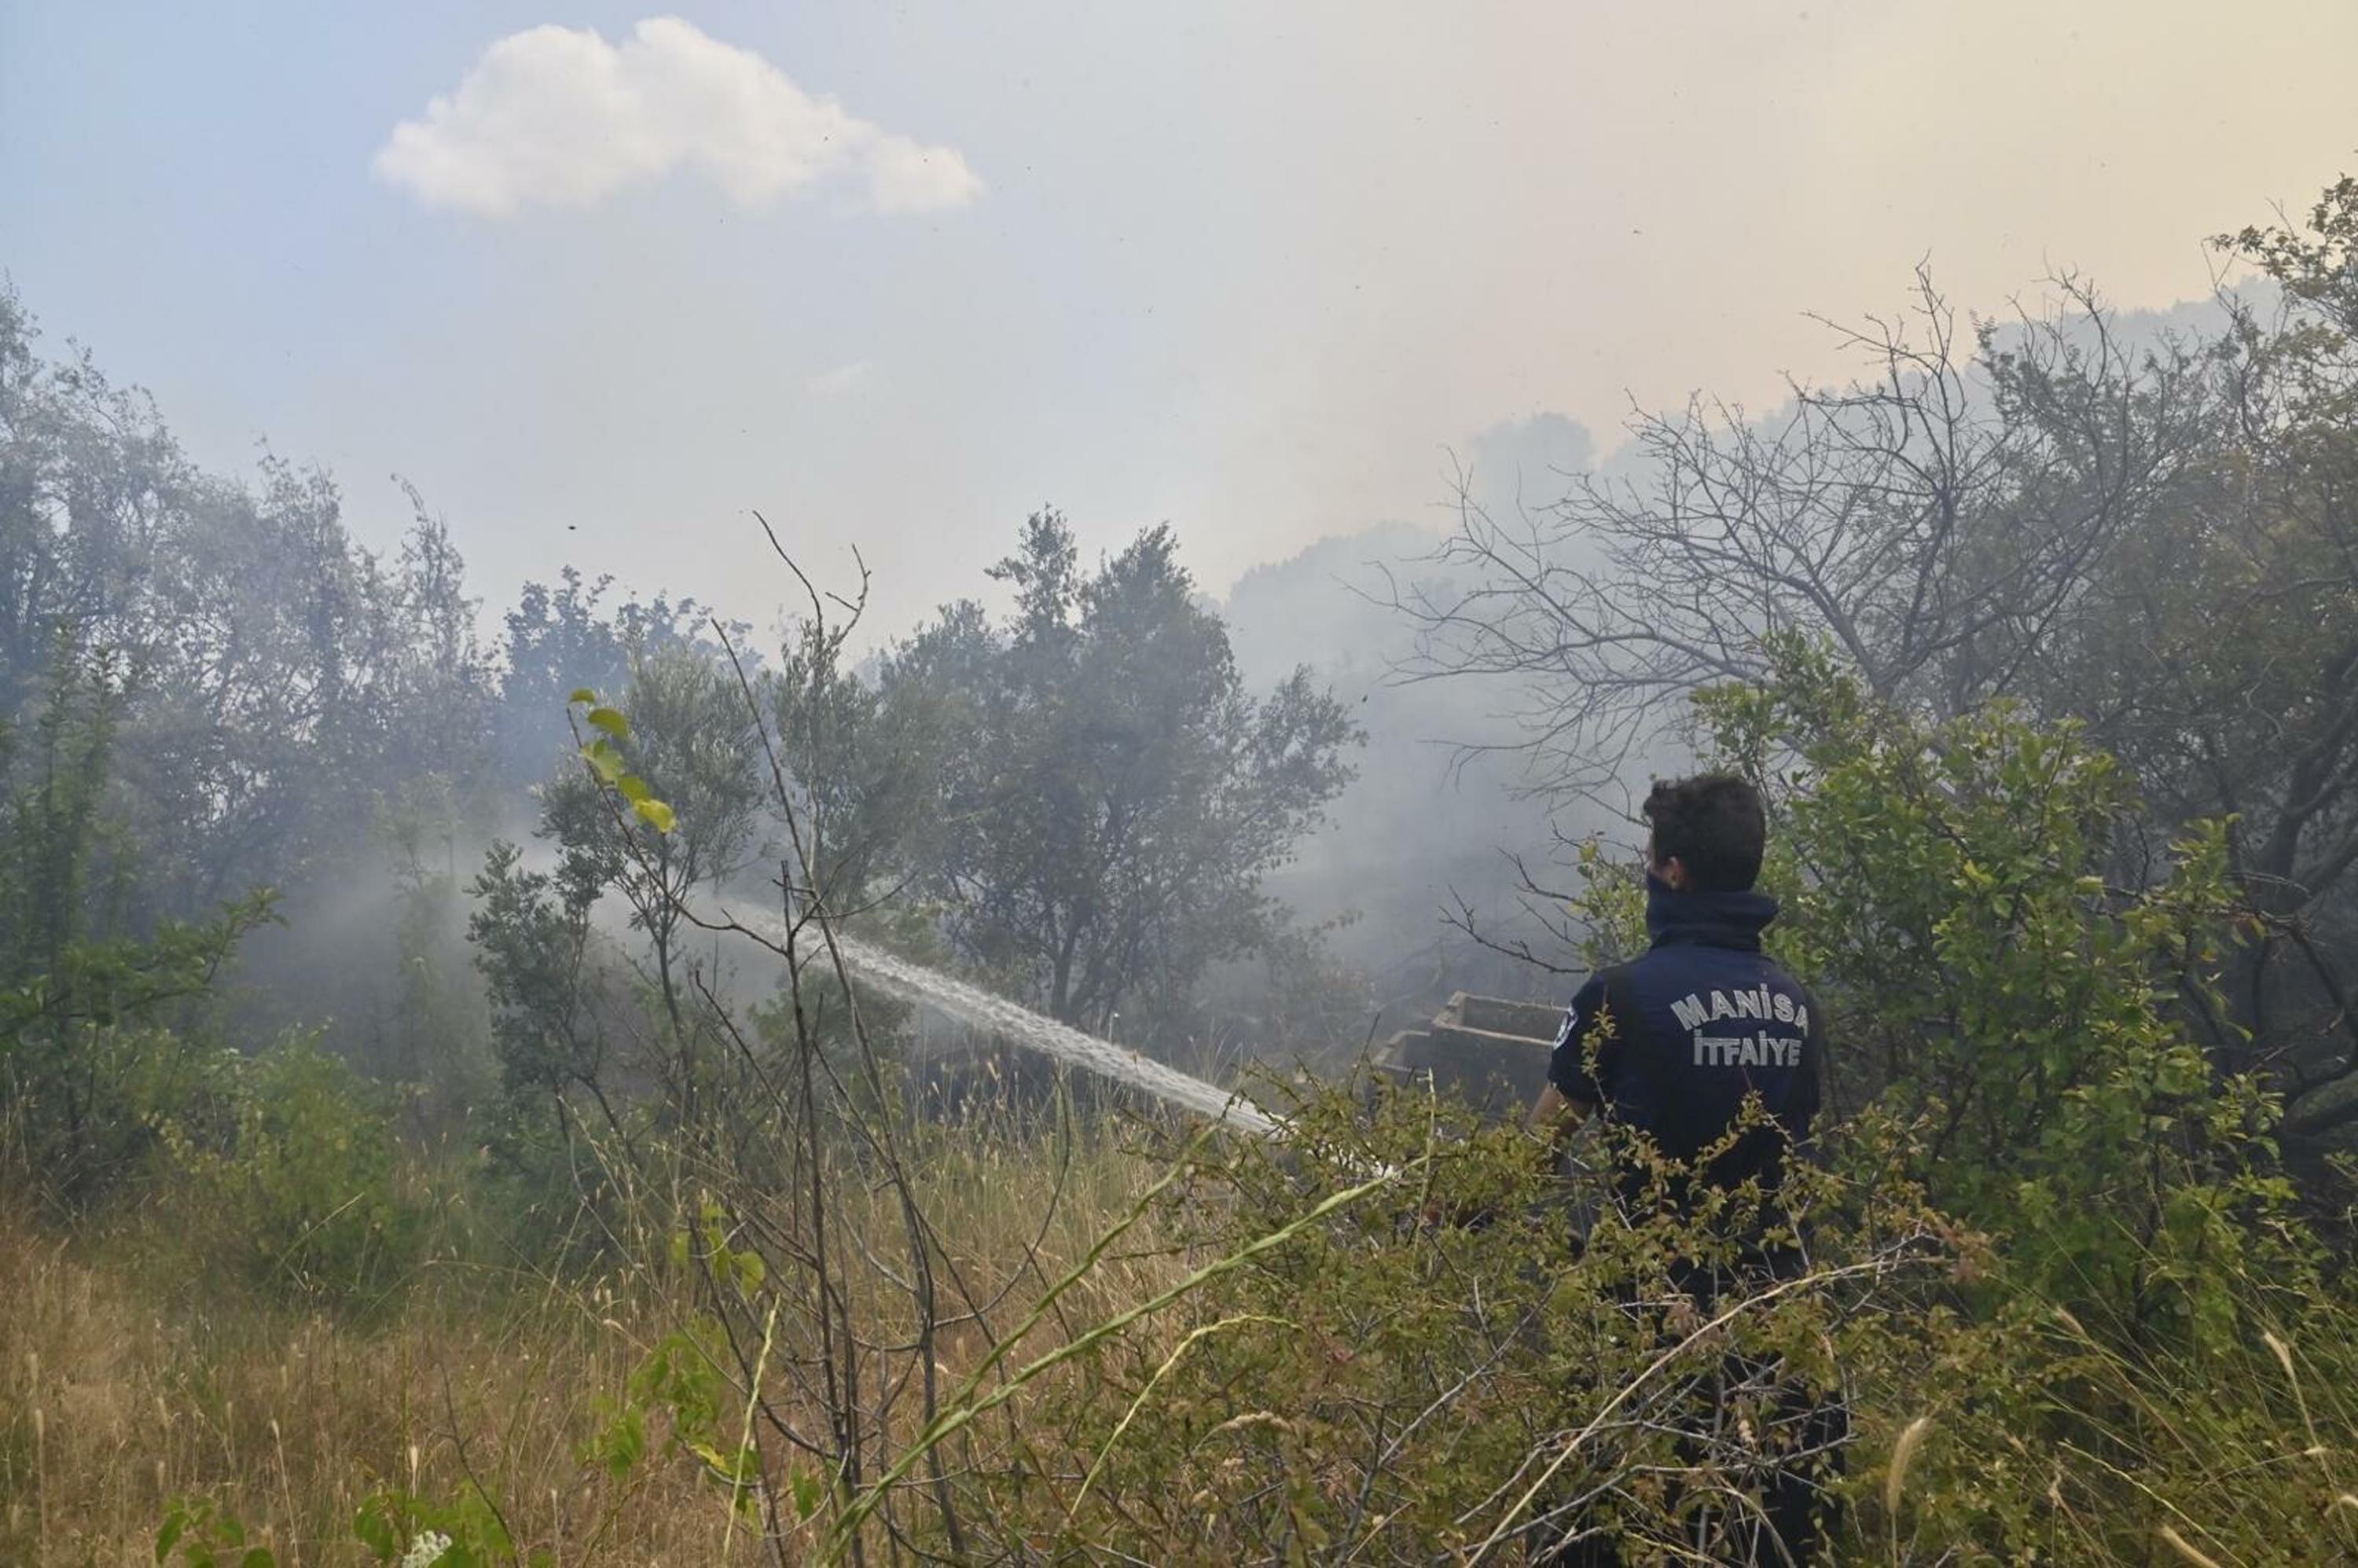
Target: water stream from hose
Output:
[{"x": 972, "y": 1005}]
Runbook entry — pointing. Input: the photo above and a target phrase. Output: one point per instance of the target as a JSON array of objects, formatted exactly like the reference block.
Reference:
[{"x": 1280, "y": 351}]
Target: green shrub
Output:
[
  {"x": 1437, "y": 1368},
  {"x": 1948, "y": 892},
  {"x": 294, "y": 1179}
]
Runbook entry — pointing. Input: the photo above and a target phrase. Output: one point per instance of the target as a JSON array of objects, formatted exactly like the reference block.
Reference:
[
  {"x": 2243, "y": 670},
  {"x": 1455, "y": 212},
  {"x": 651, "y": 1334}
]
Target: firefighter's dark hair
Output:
[{"x": 1715, "y": 825}]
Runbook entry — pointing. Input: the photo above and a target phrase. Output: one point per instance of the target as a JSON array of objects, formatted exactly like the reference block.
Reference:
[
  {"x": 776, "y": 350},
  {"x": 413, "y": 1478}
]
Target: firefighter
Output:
[{"x": 1673, "y": 1044}]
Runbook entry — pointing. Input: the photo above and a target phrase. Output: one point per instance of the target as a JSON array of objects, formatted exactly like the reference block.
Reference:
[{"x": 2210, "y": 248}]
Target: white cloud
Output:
[
  {"x": 903, "y": 177},
  {"x": 563, "y": 118}
]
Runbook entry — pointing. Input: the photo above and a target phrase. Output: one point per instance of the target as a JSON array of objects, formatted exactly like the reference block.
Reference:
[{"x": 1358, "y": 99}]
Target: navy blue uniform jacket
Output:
[{"x": 1672, "y": 1043}]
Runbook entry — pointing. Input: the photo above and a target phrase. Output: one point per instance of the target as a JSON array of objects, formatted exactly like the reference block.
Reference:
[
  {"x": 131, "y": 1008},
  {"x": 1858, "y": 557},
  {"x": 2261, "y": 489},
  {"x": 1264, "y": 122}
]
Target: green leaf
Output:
[
  {"x": 374, "y": 1531},
  {"x": 656, "y": 814},
  {"x": 612, "y": 722},
  {"x": 176, "y": 1524},
  {"x": 583, "y": 694},
  {"x": 623, "y": 1443},
  {"x": 259, "y": 1557},
  {"x": 807, "y": 1492},
  {"x": 635, "y": 788},
  {"x": 604, "y": 760}
]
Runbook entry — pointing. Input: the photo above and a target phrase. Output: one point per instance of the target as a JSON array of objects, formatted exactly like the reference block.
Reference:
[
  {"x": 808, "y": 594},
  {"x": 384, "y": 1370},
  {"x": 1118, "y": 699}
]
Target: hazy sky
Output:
[{"x": 900, "y": 274}]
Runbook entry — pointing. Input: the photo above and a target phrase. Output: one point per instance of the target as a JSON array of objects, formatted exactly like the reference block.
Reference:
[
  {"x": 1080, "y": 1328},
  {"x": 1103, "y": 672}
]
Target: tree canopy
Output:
[{"x": 1109, "y": 793}]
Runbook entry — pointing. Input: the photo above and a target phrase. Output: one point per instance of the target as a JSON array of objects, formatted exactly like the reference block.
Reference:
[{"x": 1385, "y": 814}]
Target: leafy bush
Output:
[
  {"x": 1947, "y": 893},
  {"x": 292, "y": 1178},
  {"x": 1458, "y": 1362}
]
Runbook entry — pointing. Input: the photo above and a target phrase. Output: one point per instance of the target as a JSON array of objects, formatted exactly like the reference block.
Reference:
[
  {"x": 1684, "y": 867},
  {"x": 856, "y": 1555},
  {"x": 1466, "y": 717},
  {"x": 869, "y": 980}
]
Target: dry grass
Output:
[
  {"x": 120, "y": 1388},
  {"x": 121, "y": 1393}
]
